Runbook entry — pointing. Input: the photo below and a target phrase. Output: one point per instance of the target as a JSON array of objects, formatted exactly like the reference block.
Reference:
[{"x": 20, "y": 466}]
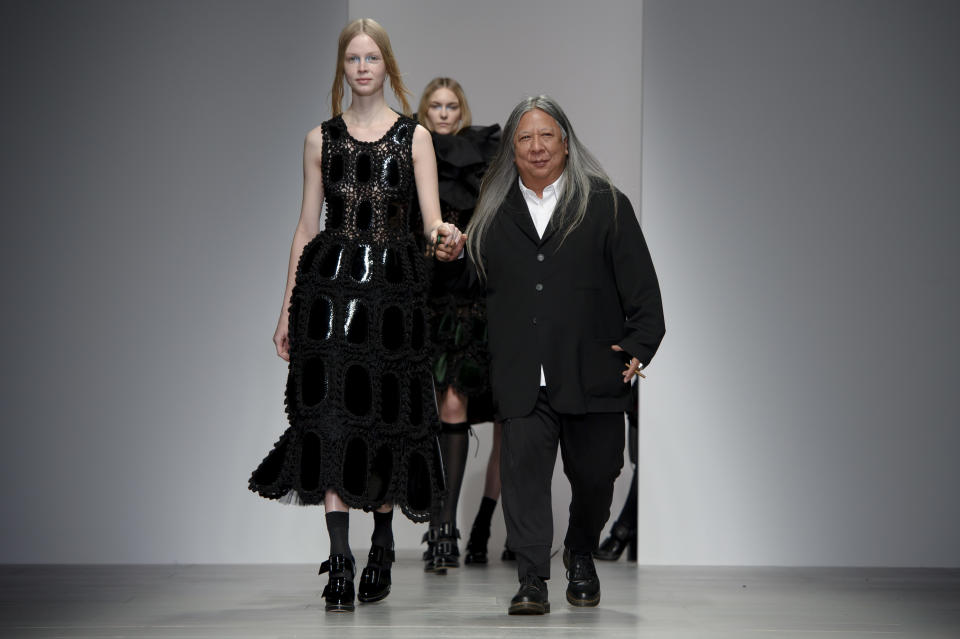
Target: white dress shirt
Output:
[{"x": 541, "y": 209}]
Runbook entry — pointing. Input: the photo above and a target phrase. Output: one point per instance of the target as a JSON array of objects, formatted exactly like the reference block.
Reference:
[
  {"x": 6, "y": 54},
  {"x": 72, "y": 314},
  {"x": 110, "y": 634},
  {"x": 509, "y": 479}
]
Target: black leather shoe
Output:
[
  {"x": 338, "y": 592},
  {"x": 584, "y": 587},
  {"x": 531, "y": 599},
  {"x": 508, "y": 555},
  {"x": 612, "y": 547},
  {"x": 476, "y": 552},
  {"x": 375, "y": 579},
  {"x": 446, "y": 554},
  {"x": 475, "y": 556}
]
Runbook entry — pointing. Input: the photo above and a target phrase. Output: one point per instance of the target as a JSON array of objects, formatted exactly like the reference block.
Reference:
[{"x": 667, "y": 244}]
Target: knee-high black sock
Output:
[
  {"x": 382, "y": 530},
  {"x": 454, "y": 442},
  {"x": 485, "y": 514},
  {"x": 338, "y": 527}
]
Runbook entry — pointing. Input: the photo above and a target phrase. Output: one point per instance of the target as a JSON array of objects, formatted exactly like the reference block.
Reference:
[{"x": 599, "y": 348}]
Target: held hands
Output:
[
  {"x": 446, "y": 242},
  {"x": 633, "y": 366}
]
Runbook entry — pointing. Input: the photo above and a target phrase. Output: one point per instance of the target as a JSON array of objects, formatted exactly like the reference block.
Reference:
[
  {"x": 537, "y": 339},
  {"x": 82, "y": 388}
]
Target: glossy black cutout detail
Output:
[
  {"x": 391, "y": 171},
  {"x": 356, "y": 390},
  {"x": 320, "y": 325},
  {"x": 362, "y": 265},
  {"x": 363, "y": 168},
  {"x": 400, "y": 133},
  {"x": 416, "y": 402},
  {"x": 418, "y": 483},
  {"x": 310, "y": 462},
  {"x": 392, "y": 330},
  {"x": 357, "y": 322},
  {"x": 309, "y": 256},
  {"x": 392, "y": 266},
  {"x": 381, "y": 473},
  {"x": 355, "y": 467},
  {"x": 313, "y": 382},
  {"x": 335, "y": 208},
  {"x": 389, "y": 398},
  {"x": 336, "y": 168},
  {"x": 330, "y": 264},
  {"x": 364, "y": 215},
  {"x": 418, "y": 329}
]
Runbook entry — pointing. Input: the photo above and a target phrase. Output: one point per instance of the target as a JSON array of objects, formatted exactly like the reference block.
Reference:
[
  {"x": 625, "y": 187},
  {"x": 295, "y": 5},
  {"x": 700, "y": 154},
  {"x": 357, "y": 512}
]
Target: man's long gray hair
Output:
[{"x": 502, "y": 175}]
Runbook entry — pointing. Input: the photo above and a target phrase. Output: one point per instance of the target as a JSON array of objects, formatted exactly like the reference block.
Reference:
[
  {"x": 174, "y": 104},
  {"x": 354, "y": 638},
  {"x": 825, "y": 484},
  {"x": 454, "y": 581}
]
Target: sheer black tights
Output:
[{"x": 454, "y": 443}]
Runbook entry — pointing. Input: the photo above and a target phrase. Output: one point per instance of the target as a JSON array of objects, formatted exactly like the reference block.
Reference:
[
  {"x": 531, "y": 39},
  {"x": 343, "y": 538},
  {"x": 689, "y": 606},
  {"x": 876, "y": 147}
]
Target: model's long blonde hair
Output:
[
  {"x": 444, "y": 83},
  {"x": 379, "y": 35}
]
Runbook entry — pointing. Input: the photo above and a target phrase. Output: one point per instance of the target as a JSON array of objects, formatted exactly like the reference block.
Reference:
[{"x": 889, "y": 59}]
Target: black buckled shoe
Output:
[
  {"x": 612, "y": 547},
  {"x": 338, "y": 592},
  {"x": 375, "y": 579},
  {"x": 531, "y": 599},
  {"x": 583, "y": 588},
  {"x": 476, "y": 552},
  {"x": 446, "y": 554}
]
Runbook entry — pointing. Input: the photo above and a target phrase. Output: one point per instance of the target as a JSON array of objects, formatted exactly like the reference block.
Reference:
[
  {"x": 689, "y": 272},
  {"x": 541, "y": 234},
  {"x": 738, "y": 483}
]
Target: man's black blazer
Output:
[{"x": 563, "y": 305}]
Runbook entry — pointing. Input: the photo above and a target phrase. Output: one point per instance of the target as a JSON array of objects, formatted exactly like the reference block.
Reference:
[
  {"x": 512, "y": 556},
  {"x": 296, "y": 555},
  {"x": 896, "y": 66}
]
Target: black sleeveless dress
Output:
[
  {"x": 360, "y": 397},
  {"x": 458, "y": 328}
]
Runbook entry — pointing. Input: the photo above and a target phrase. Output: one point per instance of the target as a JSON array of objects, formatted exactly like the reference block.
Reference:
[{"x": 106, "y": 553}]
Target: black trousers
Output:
[{"x": 591, "y": 447}]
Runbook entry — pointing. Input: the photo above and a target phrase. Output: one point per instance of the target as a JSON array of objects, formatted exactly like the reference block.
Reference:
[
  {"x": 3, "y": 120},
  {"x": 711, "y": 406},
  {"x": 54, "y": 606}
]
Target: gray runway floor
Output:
[{"x": 650, "y": 602}]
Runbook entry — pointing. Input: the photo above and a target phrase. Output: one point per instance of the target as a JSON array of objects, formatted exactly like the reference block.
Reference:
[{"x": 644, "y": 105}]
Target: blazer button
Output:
[
  {"x": 539, "y": 257},
  {"x": 539, "y": 287},
  {"x": 534, "y": 321}
]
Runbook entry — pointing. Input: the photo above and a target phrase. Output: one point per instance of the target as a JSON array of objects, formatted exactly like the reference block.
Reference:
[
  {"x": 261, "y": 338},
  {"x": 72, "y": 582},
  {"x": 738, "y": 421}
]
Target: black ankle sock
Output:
[
  {"x": 382, "y": 530},
  {"x": 482, "y": 520},
  {"x": 338, "y": 527}
]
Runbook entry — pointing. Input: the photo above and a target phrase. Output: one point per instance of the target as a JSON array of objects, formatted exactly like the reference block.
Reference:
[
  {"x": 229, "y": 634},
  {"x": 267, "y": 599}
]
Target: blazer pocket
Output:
[{"x": 603, "y": 368}]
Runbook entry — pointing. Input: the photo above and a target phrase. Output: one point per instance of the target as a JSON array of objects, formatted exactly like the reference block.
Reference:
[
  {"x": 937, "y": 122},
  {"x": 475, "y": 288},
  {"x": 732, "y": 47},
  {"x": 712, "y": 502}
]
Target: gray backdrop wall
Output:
[
  {"x": 800, "y": 166},
  {"x": 799, "y": 199}
]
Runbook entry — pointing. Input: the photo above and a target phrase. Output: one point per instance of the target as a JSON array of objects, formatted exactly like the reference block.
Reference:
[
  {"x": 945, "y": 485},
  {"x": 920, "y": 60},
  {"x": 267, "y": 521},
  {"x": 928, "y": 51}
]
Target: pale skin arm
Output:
[
  {"x": 425, "y": 175},
  {"x": 307, "y": 229}
]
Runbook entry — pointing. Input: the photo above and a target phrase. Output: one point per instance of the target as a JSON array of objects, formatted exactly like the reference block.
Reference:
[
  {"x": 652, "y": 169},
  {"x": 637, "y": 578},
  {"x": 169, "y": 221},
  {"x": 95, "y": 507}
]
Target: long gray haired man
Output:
[
  {"x": 574, "y": 313},
  {"x": 581, "y": 169}
]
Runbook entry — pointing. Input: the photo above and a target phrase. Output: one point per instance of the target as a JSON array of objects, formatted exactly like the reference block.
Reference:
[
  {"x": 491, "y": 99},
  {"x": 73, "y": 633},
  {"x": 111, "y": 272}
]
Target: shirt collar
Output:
[{"x": 551, "y": 190}]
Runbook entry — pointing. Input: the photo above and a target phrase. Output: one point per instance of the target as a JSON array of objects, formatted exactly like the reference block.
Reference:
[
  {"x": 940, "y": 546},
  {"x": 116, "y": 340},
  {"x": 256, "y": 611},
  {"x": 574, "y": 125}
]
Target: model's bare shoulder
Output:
[
  {"x": 422, "y": 147},
  {"x": 313, "y": 147},
  {"x": 314, "y": 137},
  {"x": 421, "y": 135}
]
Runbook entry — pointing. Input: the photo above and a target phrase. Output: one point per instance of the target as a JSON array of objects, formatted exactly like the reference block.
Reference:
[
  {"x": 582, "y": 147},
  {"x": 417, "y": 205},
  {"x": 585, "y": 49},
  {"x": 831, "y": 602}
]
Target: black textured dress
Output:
[
  {"x": 459, "y": 320},
  {"x": 360, "y": 398}
]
